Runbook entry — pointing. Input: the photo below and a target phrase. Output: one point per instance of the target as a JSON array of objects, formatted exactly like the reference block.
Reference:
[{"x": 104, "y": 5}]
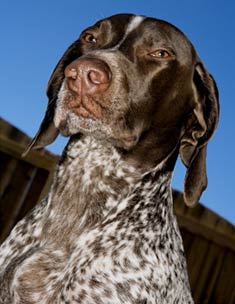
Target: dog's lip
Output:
[
  {"x": 92, "y": 106},
  {"x": 83, "y": 112},
  {"x": 87, "y": 108},
  {"x": 126, "y": 142}
]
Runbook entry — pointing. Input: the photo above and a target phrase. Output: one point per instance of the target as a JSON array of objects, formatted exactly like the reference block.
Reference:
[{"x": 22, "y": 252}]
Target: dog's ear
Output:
[
  {"x": 47, "y": 132},
  {"x": 199, "y": 128}
]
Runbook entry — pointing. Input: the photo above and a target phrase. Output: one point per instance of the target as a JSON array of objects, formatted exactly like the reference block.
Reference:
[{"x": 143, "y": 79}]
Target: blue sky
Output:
[{"x": 34, "y": 34}]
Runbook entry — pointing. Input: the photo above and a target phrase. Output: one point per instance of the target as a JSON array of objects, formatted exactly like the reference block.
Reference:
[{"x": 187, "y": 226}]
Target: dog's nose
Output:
[{"x": 88, "y": 75}]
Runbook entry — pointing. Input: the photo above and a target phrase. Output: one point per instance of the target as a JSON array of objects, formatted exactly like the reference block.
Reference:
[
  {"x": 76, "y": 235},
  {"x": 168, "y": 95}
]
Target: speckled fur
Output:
[
  {"x": 106, "y": 233},
  {"x": 129, "y": 251}
]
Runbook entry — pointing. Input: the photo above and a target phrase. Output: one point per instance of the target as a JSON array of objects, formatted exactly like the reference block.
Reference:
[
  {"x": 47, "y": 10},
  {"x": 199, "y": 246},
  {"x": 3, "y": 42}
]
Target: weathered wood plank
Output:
[{"x": 39, "y": 159}]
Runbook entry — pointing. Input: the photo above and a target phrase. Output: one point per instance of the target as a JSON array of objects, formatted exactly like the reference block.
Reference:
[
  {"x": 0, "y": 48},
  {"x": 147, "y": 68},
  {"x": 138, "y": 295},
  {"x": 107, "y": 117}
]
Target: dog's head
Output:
[{"x": 138, "y": 83}]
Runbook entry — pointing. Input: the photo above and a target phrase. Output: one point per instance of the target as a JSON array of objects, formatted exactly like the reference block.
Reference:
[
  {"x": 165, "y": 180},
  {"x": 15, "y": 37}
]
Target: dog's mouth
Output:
[
  {"x": 87, "y": 113},
  {"x": 86, "y": 107},
  {"x": 79, "y": 111},
  {"x": 125, "y": 142},
  {"x": 100, "y": 113}
]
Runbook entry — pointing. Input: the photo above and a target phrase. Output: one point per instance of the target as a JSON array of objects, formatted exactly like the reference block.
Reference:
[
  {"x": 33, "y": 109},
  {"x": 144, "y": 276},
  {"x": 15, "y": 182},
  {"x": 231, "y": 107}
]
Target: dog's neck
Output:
[{"x": 90, "y": 182}]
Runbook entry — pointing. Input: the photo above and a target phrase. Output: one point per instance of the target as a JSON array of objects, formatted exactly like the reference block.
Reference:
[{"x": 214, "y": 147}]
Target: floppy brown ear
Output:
[
  {"x": 47, "y": 132},
  {"x": 199, "y": 128}
]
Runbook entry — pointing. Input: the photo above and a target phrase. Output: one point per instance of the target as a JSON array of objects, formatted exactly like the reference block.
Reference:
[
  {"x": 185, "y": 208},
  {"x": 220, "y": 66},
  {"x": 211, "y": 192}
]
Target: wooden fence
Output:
[
  {"x": 209, "y": 240},
  {"x": 23, "y": 182}
]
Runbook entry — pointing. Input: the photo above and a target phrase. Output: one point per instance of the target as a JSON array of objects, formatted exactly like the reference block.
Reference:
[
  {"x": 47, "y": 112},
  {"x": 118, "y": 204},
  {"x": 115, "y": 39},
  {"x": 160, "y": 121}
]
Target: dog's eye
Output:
[
  {"x": 162, "y": 54},
  {"x": 89, "y": 38}
]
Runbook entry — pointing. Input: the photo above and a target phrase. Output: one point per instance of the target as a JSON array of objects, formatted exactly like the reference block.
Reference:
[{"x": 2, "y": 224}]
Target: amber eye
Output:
[
  {"x": 162, "y": 54},
  {"x": 89, "y": 38}
]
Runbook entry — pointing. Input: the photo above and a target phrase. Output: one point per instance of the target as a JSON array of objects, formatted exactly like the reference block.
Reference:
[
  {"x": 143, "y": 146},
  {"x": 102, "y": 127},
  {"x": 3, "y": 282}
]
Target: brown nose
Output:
[{"x": 88, "y": 75}]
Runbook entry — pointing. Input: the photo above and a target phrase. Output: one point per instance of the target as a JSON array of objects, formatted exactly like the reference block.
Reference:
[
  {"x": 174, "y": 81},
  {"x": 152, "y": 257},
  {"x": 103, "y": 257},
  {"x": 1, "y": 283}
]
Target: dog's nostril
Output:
[
  {"x": 71, "y": 73},
  {"x": 99, "y": 76}
]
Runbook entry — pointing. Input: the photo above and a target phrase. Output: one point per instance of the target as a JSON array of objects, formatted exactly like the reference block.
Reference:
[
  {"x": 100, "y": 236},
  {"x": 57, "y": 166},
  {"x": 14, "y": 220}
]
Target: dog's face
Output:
[
  {"x": 126, "y": 80},
  {"x": 136, "y": 82}
]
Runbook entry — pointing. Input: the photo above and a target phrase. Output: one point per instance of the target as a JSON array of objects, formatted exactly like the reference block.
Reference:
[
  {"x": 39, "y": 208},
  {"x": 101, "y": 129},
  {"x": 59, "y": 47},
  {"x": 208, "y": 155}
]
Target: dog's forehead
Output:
[
  {"x": 146, "y": 29},
  {"x": 119, "y": 23}
]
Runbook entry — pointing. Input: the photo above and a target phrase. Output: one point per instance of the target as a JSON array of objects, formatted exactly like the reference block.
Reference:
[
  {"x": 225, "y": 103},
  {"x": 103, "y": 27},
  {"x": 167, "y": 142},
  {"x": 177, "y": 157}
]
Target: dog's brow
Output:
[{"x": 134, "y": 23}]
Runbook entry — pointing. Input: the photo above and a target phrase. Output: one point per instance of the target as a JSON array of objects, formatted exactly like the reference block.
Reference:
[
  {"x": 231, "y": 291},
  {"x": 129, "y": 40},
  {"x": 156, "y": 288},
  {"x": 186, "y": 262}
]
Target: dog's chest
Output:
[
  {"x": 131, "y": 254},
  {"x": 134, "y": 253},
  {"x": 131, "y": 250}
]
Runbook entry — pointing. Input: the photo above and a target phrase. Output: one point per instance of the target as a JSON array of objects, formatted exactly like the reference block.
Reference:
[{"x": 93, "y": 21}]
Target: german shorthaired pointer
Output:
[{"x": 133, "y": 95}]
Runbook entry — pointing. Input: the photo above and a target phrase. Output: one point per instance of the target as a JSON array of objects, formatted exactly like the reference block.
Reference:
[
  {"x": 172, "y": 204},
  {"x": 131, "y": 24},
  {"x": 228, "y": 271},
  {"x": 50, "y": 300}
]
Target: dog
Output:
[{"x": 132, "y": 94}]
